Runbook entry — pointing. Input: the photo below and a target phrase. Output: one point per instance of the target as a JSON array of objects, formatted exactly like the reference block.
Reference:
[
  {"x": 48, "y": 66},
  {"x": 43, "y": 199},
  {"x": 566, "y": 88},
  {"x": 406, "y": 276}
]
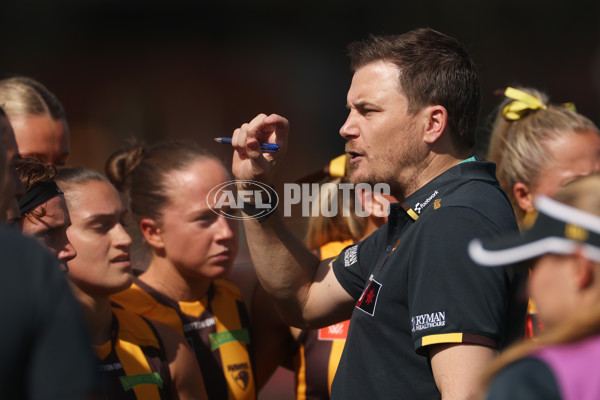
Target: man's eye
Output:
[{"x": 367, "y": 111}]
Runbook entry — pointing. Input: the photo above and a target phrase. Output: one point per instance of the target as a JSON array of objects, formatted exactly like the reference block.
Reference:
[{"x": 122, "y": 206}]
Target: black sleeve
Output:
[
  {"x": 526, "y": 379},
  {"x": 451, "y": 299},
  {"x": 355, "y": 263},
  {"x": 62, "y": 364}
]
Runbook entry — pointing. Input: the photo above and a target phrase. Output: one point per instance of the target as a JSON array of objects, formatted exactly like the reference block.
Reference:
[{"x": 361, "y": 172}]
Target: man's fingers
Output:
[
  {"x": 255, "y": 126},
  {"x": 244, "y": 142},
  {"x": 277, "y": 121}
]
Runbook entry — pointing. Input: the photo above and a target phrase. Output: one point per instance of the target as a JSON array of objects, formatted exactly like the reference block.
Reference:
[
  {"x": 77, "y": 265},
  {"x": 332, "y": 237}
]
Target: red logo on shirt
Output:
[
  {"x": 335, "y": 332},
  {"x": 368, "y": 298}
]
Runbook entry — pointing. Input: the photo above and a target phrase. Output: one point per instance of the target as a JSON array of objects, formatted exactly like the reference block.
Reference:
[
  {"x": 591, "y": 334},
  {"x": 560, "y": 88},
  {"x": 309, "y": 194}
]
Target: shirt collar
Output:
[{"x": 421, "y": 200}]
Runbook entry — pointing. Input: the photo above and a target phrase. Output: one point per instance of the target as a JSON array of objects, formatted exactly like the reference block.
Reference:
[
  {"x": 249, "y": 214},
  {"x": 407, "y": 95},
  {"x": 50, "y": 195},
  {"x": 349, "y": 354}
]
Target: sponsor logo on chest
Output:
[
  {"x": 420, "y": 206},
  {"x": 198, "y": 325},
  {"x": 111, "y": 367}
]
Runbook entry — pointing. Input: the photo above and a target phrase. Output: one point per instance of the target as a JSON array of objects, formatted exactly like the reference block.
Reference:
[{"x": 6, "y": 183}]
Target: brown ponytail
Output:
[{"x": 141, "y": 173}]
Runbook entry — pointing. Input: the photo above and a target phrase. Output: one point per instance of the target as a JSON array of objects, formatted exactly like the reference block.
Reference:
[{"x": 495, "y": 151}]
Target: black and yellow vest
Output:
[
  {"x": 133, "y": 363},
  {"x": 320, "y": 350},
  {"x": 216, "y": 327}
]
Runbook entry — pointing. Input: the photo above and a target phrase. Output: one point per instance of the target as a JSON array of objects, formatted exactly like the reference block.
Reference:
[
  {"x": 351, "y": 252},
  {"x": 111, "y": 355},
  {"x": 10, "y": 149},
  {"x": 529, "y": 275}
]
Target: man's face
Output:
[
  {"x": 12, "y": 186},
  {"x": 51, "y": 228},
  {"x": 42, "y": 137},
  {"x": 383, "y": 139}
]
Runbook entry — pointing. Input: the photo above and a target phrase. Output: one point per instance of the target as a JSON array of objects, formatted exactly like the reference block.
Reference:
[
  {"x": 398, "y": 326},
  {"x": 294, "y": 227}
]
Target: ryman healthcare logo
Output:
[
  {"x": 426, "y": 321},
  {"x": 258, "y": 200}
]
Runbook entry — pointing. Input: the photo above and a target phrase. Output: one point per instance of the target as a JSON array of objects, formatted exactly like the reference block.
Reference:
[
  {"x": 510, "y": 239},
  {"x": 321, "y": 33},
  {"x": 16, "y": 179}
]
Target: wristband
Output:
[{"x": 263, "y": 209}]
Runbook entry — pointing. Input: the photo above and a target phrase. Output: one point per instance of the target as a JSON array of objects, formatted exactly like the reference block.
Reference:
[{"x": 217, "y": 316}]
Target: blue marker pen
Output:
[{"x": 266, "y": 147}]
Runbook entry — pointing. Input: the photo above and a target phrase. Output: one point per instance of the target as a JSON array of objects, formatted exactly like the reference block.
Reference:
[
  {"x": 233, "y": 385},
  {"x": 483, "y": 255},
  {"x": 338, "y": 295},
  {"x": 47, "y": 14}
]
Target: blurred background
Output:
[{"x": 127, "y": 70}]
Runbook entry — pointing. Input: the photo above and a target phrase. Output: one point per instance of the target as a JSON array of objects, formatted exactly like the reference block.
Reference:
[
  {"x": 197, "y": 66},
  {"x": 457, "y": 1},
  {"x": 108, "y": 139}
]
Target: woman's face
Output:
[
  {"x": 51, "y": 228},
  {"x": 42, "y": 137},
  {"x": 197, "y": 241},
  {"x": 553, "y": 288},
  {"x": 102, "y": 265},
  {"x": 574, "y": 154}
]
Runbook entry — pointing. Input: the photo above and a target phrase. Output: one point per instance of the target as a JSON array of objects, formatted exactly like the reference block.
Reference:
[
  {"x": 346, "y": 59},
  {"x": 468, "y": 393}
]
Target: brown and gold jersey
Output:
[
  {"x": 320, "y": 350},
  {"x": 133, "y": 363},
  {"x": 216, "y": 327}
]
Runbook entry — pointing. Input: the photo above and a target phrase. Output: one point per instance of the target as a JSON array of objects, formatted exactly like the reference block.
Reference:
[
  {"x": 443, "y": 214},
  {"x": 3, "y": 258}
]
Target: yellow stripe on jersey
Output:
[
  {"x": 133, "y": 328},
  {"x": 234, "y": 353},
  {"x": 337, "y": 347},
  {"x": 134, "y": 363},
  {"x": 442, "y": 338},
  {"x": 140, "y": 302},
  {"x": 301, "y": 375}
]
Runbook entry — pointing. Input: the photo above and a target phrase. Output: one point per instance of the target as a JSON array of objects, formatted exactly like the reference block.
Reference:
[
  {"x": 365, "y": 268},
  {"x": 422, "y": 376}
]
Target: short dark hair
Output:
[{"x": 434, "y": 69}]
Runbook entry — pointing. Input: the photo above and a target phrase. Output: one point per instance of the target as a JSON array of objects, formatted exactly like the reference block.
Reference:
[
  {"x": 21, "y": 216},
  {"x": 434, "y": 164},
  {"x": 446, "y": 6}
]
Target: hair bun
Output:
[{"x": 121, "y": 164}]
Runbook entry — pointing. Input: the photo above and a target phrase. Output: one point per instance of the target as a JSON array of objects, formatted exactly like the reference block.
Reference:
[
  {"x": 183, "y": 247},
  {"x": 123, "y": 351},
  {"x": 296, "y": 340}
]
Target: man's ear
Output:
[
  {"x": 523, "y": 197},
  {"x": 435, "y": 125},
  {"x": 152, "y": 233}
]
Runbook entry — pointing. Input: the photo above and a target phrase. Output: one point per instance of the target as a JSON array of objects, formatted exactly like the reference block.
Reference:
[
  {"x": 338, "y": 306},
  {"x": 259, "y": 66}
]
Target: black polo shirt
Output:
[{"x": 415, "y": 286}]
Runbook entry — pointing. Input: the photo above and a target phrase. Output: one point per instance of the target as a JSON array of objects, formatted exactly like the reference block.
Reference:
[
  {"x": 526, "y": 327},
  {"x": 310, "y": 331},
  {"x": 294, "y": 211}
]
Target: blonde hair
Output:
[
  {"x": 519, "y": 147},
  {"x": 581, "y": 193},
  {"x": 21, "y": 96},
  {"x": 345, "y": 225}
]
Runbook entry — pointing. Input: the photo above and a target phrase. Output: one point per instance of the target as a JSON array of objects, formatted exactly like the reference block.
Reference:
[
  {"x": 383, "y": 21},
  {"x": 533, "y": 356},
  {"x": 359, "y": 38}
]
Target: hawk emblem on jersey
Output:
[
  {"x": 368, "y": 298},
  {"x": 240, "y": 374},
  {"x": 437, "y": 203}
]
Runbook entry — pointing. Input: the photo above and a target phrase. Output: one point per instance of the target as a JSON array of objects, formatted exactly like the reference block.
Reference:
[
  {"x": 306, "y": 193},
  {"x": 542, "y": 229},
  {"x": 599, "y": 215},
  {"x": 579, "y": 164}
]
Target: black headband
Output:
[{"x": 38, "y": 194}]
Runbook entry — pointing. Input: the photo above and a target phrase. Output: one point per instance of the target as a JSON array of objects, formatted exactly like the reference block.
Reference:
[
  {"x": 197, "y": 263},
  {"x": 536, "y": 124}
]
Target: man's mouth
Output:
[{"x": 354, "y": 156}]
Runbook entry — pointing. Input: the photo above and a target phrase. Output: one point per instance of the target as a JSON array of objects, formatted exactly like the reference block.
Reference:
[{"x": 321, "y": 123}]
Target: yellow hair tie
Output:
[
  {"x": 521, "y": 104},
  {"x": 570, "y": 106}
]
